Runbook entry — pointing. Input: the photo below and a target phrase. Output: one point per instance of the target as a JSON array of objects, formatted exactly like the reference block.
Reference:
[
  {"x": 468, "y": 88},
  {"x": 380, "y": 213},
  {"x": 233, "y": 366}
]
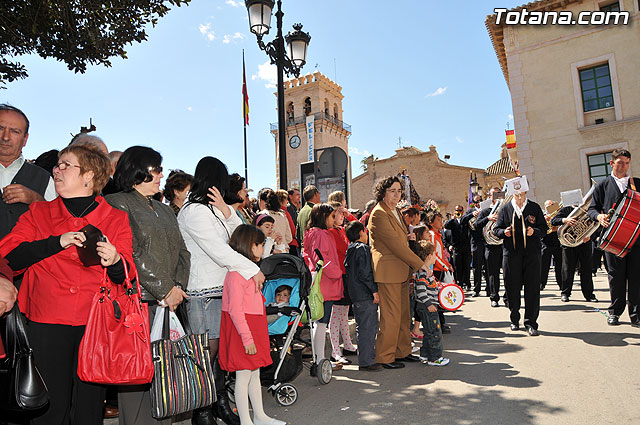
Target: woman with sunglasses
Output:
[
  {"x": 159, "y": 253},
  {"x": 57, "y": 289}
]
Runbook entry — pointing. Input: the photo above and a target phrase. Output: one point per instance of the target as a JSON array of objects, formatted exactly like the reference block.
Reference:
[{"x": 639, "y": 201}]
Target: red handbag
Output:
[{"x": 115, "y": 347}]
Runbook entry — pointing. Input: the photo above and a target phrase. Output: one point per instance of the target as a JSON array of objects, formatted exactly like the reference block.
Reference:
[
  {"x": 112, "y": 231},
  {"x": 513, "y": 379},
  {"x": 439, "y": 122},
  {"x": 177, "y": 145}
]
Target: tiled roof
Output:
[{"x": 501, "y": 166}]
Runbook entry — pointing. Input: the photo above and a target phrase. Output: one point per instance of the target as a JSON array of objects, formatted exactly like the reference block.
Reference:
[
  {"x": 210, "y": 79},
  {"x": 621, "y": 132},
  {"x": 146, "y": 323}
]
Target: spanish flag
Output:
[
  {"x": 511, "y": 139},
  {"x": 245, "y": 95}
]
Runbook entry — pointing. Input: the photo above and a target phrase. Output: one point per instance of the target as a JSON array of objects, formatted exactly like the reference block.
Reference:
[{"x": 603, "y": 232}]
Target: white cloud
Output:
[
  {"x": 357, "y": 152},
  {"x": 233, "y": 3},
  {"x": 228, "y": 38},
  {"x": 438, "y": 92},
  {"x": 459, "y": 140},
  {"x": 510, "y": 116},
  {"x": 205, "y": 29},
  {"x": 267, "y": 72},
  {"x": 189, "y": 108}
]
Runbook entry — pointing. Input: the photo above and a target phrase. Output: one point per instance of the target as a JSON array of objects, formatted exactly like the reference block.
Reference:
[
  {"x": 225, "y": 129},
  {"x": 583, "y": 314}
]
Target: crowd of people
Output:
[{"x": 198, "y": 242}]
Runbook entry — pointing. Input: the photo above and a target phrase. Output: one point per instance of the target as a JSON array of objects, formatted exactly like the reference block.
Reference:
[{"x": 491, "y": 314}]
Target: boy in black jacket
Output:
[{"x": 364, "y": 294}]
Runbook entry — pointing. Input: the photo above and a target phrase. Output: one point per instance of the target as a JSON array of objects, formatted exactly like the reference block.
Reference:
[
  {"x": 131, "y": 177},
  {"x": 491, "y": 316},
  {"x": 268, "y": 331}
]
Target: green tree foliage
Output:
[{"x": 77, "y": 32}]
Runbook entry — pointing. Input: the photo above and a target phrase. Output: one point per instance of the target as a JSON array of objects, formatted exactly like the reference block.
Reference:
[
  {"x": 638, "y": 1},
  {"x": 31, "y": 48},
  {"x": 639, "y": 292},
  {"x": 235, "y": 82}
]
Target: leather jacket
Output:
[{"x": 159, "y": 252}]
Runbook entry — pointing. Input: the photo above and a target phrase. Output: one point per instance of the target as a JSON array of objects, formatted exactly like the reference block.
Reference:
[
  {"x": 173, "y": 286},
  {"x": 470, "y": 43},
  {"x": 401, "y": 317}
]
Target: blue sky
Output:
[{"x": 424, "y": 71}]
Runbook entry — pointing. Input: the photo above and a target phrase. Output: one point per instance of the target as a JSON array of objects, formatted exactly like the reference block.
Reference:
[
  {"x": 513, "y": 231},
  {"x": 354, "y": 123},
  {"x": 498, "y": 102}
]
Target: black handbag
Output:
[
  {"x": 183, "y": 379},
  {"x": 21, "y": 386}
]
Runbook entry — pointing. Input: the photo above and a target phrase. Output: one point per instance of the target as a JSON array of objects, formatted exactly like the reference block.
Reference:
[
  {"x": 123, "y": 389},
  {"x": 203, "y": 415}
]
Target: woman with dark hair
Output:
[
  {"x": 206, "y": 223},
  {"x": 57, "y": 289},
  {"x": 273, "y": 208},
  {"x": 159, "y": 253},
  {"x": 176, "y": 188},
  {"x": 393, "y": 261},
  {"x": 318, "y": 237},
  {"x": 236, "y": 195}
]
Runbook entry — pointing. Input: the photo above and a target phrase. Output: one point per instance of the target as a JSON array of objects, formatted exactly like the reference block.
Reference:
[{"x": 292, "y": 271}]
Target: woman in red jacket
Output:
[
  {"x": 318, "y": 237},
  {"x": 57, "y": 289}
]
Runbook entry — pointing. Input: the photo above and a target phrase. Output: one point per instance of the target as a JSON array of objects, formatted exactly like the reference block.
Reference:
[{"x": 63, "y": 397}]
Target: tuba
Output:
[
  {"x": 572, "y": 236},
  {"x": 488, "y": 230}
]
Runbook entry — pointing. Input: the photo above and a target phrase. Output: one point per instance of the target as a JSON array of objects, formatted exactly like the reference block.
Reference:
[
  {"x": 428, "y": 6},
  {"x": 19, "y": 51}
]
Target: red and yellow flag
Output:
[
  {"x": 245, "y": 95},
  {"x": 511, "y": 139}
]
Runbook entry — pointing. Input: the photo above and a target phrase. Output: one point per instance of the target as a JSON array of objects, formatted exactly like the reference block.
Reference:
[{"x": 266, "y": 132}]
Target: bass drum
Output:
[{"x": 624, "y": 226}]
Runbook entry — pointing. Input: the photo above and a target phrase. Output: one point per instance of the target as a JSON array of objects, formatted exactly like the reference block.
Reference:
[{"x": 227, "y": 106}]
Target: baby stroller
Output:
[{"x": 289, "y": 270}]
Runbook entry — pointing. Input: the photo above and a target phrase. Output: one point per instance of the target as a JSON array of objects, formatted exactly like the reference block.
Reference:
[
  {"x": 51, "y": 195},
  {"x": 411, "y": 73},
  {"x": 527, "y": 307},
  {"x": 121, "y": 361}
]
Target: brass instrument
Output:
[
  {"x": 488, "y": 230},
  {"x": 572, "y": 236},
  {"x": 472, "y": 223},
  {"x": 550, "y": 216}
]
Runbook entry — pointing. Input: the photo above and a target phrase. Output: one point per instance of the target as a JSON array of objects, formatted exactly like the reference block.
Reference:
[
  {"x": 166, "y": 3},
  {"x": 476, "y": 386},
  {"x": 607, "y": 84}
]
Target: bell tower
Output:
[{"x": 313, "y": 117}]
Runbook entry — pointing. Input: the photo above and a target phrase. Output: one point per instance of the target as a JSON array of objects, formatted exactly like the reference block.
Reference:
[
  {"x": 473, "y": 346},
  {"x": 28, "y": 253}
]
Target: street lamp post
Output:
[{"x": 297, "y": 42}]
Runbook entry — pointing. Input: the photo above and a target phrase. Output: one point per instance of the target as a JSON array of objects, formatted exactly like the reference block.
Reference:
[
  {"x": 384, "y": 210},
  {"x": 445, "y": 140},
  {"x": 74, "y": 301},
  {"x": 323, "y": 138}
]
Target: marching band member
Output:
[
  {"x": 623, "y": 272},
  {"x": 551, "y": 248},
  {"x": 461, "y": 248},
  {"x": 492, "y": 253},
  {"x": 570, "y": 256},
  {"x": 477, "y": 245},
  {"x": 522, "y": 225}
]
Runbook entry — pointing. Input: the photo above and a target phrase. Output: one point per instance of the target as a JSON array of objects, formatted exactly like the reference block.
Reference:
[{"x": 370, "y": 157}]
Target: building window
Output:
[
  {"x": 596, "y": 88},
  {"x": 307, "y": 106},
  {"x": 599, "y": 167},
  {"x": 611, "y": 7}
]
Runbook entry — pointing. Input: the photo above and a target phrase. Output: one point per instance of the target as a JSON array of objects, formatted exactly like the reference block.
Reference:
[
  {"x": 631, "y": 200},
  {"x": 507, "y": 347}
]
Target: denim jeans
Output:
[
  {"x": 366, "y": 314},
  {"x": 432, "y": 340}
]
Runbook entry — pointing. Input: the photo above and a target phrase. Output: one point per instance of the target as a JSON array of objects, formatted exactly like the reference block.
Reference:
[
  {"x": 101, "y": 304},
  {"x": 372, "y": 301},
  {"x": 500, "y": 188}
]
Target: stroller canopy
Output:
[{"x": 280, "y": 266}]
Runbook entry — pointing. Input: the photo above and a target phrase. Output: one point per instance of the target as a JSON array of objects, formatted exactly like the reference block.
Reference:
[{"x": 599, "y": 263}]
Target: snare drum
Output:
[
  {"x": 450, "y": 296},
  {"x": 624, "y": 226}
]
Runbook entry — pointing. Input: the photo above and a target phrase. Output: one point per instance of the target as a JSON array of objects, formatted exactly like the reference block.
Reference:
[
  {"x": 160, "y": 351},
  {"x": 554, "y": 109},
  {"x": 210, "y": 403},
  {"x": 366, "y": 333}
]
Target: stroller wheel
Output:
[
  {"x": 286, "y": 395},
  {"x": 325, "y": 372}
]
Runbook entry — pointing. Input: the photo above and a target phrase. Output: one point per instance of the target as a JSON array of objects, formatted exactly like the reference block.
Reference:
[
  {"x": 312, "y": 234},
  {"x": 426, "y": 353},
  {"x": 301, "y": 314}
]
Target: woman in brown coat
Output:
[{"x": 393, "y": 262}]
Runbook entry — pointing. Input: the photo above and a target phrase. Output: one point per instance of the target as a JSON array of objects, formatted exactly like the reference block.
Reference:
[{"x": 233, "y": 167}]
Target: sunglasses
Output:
[{"x": 153, "y": 169}]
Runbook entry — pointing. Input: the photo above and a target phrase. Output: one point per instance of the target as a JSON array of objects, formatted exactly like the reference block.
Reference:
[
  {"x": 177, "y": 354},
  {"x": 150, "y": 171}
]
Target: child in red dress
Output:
[{"x": 244, "y": 338}]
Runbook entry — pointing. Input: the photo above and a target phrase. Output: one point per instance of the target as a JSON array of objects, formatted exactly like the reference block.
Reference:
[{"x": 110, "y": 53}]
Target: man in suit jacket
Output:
[
  {"x": 393, "y": 262},
  {"x": 461, "y": 248},
  {"x": 521, "y": 225},
  {"x": 624, "y": 273},
  {"x": 477, "y": 244}
]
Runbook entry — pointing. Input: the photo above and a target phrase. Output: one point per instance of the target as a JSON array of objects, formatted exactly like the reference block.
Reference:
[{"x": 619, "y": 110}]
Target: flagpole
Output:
[{"x": 244, "y": 121}]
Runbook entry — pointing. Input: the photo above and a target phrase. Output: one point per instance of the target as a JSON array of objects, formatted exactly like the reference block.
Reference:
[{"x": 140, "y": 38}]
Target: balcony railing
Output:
[{"x": 317, "y": 116}]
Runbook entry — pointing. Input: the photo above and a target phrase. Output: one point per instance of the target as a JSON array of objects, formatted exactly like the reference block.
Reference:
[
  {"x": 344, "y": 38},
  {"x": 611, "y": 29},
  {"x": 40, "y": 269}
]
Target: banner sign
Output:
[{"x": 309, "y": 128}]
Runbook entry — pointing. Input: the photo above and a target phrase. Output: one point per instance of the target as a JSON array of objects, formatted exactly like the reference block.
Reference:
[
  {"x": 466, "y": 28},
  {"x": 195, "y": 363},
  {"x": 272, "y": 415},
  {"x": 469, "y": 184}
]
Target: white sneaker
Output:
[
  {"x": 423, "y": 359},
  {"x": 440, "y": 362}
]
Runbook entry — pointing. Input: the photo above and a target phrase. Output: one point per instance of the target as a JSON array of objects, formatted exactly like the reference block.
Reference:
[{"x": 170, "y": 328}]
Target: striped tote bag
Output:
[{"x": 183, "y": 378}]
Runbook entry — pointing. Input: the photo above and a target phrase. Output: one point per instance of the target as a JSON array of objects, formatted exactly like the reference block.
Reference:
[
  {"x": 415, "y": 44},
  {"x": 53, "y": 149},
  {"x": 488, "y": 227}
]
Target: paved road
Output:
[{"x": 578, "y": 371}]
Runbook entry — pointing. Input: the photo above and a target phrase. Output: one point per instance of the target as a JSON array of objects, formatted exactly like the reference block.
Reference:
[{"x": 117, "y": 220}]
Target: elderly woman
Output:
[
  {"x": 57, "y": 289},
  {"x": 206, "y": 223},
  {"x": 392, "y": 265},
  {"x": 159, "y": 253}
]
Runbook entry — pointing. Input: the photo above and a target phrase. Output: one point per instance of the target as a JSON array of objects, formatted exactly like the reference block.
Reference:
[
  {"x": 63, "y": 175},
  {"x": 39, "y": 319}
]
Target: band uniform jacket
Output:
[
  {"x": 533, "y": 217},
  {"x": 459, "y": 233},
  {"x": 605, "y": 195},
  {"x": 392, "y": 258}
]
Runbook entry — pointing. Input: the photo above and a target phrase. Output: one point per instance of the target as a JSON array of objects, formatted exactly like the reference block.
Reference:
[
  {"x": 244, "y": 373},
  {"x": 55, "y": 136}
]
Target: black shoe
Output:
[
  {"x": 636, "y": 324},
  {"x": 506, "y": 303},
  {"x": 564, "y": 298},
  {"x": 613, "y": 320},
  {"x": 346, "y": 352},
  {"x": 409, "y": 359},
  {"x": 532, "y": 331},
  {"x": 393, "y": 365},
  {"x": 591, "y": 299},
  {"x": 494, "y": 304},
  {"x": 446, "y": 329},
  {"x": 542, "y": 287},
  {"x": 515, "y": 327},
  {"x": 476, "y": 294},
  {"x": 376, "y": 367},
  {"x": 203, "y": 416}
]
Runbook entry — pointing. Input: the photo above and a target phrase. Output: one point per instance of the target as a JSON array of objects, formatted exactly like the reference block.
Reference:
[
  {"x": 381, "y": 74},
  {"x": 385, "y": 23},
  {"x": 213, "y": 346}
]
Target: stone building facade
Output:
[
  {"x": 432, "y": 177},
  {"x": 312, "y": 95},
  {"x": 575, "y": 93}
]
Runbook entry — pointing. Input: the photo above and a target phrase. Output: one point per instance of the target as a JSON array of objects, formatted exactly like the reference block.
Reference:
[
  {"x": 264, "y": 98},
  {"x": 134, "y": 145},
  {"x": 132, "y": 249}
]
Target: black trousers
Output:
[
  {"x": 624, "y": 275},
  {"x": 570, "y": 256},
  {"x": 493, "y": 262},
  {"x": 597, "y": 257},
  {"x": 72, "y": 401},
  {"x": 477, "y": 258},
  {"x": 462, "y": 267},
  {"x": 547, "y": 253},
  {"x": 522, "y": 269}
]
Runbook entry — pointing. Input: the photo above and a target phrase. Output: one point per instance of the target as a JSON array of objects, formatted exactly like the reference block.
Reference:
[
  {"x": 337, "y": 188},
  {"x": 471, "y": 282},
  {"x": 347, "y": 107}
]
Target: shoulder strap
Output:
[{"x": 632, "y": 184}]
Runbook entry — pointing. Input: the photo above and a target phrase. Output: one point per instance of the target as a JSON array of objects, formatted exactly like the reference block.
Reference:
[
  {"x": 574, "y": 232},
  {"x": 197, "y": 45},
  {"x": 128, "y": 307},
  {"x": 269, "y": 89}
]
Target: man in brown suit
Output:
[{"x": 393, "y": 262}]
